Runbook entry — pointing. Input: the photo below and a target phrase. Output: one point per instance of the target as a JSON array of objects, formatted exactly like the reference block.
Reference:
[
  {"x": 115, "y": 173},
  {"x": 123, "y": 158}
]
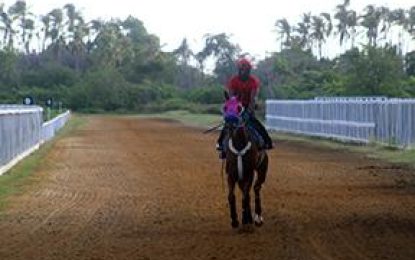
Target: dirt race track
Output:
[{"x": 128, "y": 188}]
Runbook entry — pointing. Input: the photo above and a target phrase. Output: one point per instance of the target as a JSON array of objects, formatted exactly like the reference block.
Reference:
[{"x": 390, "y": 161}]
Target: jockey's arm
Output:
[{"x": 252, "y": 102}]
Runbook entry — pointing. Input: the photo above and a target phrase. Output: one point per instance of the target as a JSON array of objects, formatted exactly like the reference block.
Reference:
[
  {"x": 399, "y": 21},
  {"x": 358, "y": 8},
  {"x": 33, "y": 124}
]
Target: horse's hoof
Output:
[
  {"x": 235, "y": 223},
  {"x": 258, "y": 220}
]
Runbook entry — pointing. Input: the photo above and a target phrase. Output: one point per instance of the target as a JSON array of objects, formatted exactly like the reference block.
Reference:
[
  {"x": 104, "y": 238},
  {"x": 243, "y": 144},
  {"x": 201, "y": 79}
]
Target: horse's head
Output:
[{"x": 232, "y": 114}]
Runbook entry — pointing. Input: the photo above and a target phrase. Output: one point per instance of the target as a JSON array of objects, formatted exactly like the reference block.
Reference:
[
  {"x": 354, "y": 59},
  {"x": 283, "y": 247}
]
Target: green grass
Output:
[
  {"x": 187, "y": 118},
  {"x": 20, "y": 176}
]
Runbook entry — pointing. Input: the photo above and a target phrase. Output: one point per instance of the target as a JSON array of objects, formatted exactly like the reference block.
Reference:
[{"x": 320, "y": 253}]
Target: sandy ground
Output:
[{"x": 125, "y": 188}]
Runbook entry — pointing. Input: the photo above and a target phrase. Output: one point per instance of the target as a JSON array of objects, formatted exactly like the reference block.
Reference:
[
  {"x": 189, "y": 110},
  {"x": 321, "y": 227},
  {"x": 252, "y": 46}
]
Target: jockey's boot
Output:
[
  {"x": 222, "y": 154},
  {"x": 219, "y": 147}
]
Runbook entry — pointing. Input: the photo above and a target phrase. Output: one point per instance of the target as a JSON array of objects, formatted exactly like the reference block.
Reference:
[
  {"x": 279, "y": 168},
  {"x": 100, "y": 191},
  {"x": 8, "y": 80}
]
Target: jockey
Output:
[{"x": 246, "y": 86}]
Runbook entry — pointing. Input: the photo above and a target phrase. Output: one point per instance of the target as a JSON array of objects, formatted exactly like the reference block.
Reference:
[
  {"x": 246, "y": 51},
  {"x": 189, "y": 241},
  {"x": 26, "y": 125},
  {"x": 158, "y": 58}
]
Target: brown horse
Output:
[{"x": 243, "y": 159}]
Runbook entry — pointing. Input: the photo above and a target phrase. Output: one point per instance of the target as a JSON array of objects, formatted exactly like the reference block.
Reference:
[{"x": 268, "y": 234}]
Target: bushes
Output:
[
  {"x": 49, "y": 75},
  {"x": 205, "y": 95}
]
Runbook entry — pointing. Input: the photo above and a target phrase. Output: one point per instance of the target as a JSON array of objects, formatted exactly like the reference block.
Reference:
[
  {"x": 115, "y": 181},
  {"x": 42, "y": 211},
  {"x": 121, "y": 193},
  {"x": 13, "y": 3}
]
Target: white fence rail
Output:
[
  {"x": 50, "y": 128},
  {"x": 22, "y": 131},
  {"x": 390, "y": 121}
]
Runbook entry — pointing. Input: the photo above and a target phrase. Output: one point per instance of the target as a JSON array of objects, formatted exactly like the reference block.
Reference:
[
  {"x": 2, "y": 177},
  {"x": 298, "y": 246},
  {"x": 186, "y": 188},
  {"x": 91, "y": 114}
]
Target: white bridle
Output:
[{"x": 240, "y": 154}]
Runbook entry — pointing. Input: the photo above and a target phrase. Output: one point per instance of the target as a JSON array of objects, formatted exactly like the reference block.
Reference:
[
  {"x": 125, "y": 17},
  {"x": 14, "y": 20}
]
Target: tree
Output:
[
  {"x": 411, "y": 22},
  {"x": 397, "y": 18},
  {"x": 77, "y": 46},
  {"x": 29, "y": 27},
  {"x": 18, "y": 11},
  {"x": 320, "y": 30},
  {"x": 110, "y": 45},
  {"x": 3, "y": 17},
  {"x": 72, "y": 16},
  {"x": 46, "y": 30},
  {"x": 135, "y": 30},
  {"x": 371, "y": 21},
  {"x": 303, "y": 30},
  {"x": 284, "y": 30},
  {"x": 410, "y": 63},
  {"x": 225, "y": 52},
  {"x": 183, "y": 54},
  {"x": 94, "y": 28},
  {"x": 8, "y": 29},
  {"x": 373, "y": 71},
  {"x": 352, "y": 23},
  {"x": 56, "y": 17},
  {"x": 342, "y": 16}
]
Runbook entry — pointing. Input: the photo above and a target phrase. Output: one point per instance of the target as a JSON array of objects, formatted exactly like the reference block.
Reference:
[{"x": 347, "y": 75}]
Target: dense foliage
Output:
[{"x": 116, "y": 65}]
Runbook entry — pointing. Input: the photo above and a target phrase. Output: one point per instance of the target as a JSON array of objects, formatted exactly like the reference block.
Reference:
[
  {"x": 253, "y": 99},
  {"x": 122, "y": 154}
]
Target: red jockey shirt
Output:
[{"x": 243, "y": 89}]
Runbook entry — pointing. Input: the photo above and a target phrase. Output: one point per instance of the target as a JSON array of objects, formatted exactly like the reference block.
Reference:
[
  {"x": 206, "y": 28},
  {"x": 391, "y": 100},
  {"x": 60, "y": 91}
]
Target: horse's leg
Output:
[
  {"x": 246, "y": 202},
  {"x": 232, "y": 201},
  {"x": 262, "y": 173}
]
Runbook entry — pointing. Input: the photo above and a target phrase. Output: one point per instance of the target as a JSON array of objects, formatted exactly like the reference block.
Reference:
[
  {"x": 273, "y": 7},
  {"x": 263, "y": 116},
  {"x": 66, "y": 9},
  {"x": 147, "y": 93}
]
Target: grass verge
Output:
[
  {"x": 14, "y": 181},
  {"x": 189, "y": 119},
  {"x": 372, "y": 150}
]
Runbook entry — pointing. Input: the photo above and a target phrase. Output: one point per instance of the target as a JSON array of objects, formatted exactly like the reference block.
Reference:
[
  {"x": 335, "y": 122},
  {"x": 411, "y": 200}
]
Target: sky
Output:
[{"x": 250, "y": 23}]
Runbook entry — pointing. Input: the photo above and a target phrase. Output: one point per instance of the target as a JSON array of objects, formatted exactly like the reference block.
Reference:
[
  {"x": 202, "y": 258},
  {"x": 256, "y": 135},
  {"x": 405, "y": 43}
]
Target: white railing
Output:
[
  {"x": 389, "y": 121},
  {"x": 50, "y": 128},
  {"x": 22, "y": 131}
]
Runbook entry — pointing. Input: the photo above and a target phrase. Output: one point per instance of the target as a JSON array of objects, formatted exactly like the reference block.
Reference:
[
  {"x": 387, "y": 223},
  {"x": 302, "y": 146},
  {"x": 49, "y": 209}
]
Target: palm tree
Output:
[
  {"x": 78, "y": 47},
  {"x": 352, "y": 23},
  {"x": 56, "y": 17},
  {"x": 342, "y": 16},
  {"x": 411, "y": 22},
  {"x": 46, "y": 30},
  {"x": 2, "y": 28},
  {"x": 19, "y": 11},
  {"x": 303, "y": 30},
  {"x": 397, "y": 18},
  {"x": 371, "y": 21},
  {"x": 94, "y": 28},
  {"x": 200, "y": 58},
  {"x": 303, "y": 33},
  {"x": 72, "y": 16},
  {"x": 8, "y": 18},
  {"x": 318, "y": 32},
  {"x": 328, "y": 24},
  {"x": 284, "y": 31},
  {"x": 29, "y": 27},
  {"x": 385, "y": 21},
  {"x": 183, "y": 53}
]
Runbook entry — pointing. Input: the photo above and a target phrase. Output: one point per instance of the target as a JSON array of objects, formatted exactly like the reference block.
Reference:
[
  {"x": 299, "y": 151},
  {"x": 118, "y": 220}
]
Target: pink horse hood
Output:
[{"x": 232, "y": 107}]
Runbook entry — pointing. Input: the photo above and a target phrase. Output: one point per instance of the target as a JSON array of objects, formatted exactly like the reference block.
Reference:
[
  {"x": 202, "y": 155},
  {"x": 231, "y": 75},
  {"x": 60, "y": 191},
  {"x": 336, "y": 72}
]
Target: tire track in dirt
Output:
[{"x": 128, "y": 188}]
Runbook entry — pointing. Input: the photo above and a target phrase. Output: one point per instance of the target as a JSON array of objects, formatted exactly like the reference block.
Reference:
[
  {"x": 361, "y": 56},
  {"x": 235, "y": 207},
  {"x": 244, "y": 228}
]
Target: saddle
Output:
[{"x": 254, "y": 135}]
